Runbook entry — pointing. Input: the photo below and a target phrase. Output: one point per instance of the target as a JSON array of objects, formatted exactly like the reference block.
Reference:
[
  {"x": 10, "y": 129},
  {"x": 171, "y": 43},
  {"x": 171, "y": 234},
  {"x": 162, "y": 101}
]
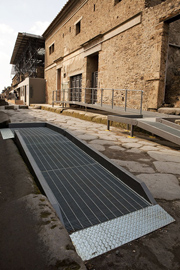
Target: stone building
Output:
[
  {"x": 28, "y": 68},
  {"x": 115, "y": 44}
]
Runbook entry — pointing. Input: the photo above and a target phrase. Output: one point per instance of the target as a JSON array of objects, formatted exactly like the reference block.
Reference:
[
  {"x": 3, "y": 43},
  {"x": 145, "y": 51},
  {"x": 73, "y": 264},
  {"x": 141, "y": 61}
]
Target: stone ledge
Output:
[
  {"x": 174, "y": 111},
  {"x": 4, "y": 120}
]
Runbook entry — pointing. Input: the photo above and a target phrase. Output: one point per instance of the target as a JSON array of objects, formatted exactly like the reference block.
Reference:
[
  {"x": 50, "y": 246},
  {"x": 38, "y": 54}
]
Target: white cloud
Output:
[
  {"x": 5, "y": 70},
  {"x": 7, "y": 40},
  {"x": 39, "y": 27},
  {"x": 5, "y": 29},
  {"x": 8, "y": 36}
]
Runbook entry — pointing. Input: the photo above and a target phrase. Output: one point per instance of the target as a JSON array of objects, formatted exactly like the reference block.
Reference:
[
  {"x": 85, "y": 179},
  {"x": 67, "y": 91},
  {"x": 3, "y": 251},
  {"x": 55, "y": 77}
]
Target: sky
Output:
[{"x": 30, "y": 16}]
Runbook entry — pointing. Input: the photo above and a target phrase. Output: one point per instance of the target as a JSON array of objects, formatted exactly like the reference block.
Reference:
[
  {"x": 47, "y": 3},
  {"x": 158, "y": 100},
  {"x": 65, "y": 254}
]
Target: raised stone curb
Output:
[
  {"x": 3, "y": 102},
  {"x": 55, "y": 237},
  {"x": 4, "y": 120},
  {"x": 174, "y": 111},
  {"x": 9, "y": 107},
  {"x": 23, "y": 107}
]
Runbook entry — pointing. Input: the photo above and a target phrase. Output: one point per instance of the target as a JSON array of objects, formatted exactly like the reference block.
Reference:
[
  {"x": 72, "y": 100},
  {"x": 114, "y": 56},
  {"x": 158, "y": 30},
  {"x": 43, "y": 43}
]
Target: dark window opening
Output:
[
  {"x": 152, "y": 3},
  {"x": 51, "y": 48},
  {"x": 117, "y": 1},
  {"x": 78, "y": 27},
  {"x": 69, "y": 29},
  {"x": 92, "y": 78},
  {"x": 94, "y": 7}
]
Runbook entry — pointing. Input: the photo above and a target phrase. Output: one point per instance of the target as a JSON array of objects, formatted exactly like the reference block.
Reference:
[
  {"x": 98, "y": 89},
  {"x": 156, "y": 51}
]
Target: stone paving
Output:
[{"x": 154, "y": 163}]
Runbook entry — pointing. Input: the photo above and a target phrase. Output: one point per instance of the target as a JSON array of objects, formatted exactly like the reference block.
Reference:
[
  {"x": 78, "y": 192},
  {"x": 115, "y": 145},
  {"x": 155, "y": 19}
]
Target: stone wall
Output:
[
  {"x": 132, "y": 54},
  {"x": 156, "y": 33},
  {"x": 50, "y": 76},
  {"x": 172, "y": 91},
  {"x": 152, "y": 3}
]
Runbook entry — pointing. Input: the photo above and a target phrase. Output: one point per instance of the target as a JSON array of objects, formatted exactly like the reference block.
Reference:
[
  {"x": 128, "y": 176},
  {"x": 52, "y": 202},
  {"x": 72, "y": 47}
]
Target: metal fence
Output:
[{"x": 99, "y": 97}]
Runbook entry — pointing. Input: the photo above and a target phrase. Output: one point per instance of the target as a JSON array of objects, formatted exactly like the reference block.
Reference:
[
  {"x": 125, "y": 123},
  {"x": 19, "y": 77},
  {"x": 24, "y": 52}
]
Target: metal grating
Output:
[{"x": 87, "y": 193}]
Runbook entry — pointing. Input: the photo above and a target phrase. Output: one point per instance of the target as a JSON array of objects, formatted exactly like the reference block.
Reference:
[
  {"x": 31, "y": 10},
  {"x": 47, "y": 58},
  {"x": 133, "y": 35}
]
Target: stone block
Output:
[
  {"x": 9, "y": 107},
  {"x": 4, "y": 120},
  {"x": 23, "y": 107}
]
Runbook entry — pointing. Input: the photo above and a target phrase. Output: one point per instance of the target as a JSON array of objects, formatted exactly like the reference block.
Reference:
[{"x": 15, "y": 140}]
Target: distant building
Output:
[
  {"x": 123, "y": 44},
  {"x": 28, "y": 68}
]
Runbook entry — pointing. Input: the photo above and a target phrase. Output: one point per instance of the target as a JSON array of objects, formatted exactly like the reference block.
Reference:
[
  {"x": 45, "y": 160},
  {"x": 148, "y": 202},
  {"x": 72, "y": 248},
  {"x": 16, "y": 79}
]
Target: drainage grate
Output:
[
  {"x": 99, "y": 210},
  {"x": 87, "y": 193}
]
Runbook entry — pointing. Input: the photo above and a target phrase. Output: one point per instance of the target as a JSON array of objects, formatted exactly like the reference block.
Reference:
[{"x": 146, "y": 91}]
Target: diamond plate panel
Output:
[
  {"x": 6, "y": 133},
  {"x": 96, "y": 240}
]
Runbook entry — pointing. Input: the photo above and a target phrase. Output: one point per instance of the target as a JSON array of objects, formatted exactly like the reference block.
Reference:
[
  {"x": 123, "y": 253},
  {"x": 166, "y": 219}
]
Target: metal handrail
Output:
[{"x": 78, "y": 94}]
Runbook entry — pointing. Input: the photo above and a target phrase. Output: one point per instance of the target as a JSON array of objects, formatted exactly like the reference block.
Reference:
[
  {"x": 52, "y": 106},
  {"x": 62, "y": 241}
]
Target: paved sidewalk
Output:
[{"x": 153, "y": 160}]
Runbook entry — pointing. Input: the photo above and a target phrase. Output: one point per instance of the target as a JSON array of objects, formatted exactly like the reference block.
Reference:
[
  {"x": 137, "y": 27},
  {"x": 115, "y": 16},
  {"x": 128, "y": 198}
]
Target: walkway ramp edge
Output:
[
  {"x": 96, "y": 240},
  {"x": 37, "y": 173},
  {"x": 162, "y": 130}
]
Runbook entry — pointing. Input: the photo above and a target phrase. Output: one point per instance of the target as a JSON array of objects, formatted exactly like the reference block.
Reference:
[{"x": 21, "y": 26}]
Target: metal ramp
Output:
[
  {"x": 101, "y": 205},
  {"x": 162, "y": 127}
]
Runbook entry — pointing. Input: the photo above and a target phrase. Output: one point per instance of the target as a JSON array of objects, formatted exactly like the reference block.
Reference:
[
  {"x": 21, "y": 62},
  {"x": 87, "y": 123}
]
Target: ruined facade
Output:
[
  {"x": 115, "y": 44},
  {"x": 28, "y": 68}
]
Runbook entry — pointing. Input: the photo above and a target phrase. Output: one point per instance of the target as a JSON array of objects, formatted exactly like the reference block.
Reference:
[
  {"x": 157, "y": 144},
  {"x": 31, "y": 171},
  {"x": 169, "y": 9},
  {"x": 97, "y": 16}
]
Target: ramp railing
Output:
[{"x": 100, "y": 97}]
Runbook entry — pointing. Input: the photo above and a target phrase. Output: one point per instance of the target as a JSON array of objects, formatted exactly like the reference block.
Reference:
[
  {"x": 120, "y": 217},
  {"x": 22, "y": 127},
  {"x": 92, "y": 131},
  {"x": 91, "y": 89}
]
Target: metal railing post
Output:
[
  {"x": 63, "y": 96},
  {"x": 125, "y": 99},
  {"x": 92, "y": 91},
  {"x": 112, "y": 98},
  {"x": 85, "y": 95},
  {"x": 52, "y": 98},
  {"x": 101, "y": 97},
  {"x": 74, "y": 96},
  {"x": 141, "y": 102}
]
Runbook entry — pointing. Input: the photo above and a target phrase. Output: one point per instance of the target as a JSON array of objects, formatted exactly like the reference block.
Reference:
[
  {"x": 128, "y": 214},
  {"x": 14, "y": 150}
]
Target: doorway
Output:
[
  {"x": 92, "y": 78},
  {"x": 172, "y": 90},
  {"x": 58, "y": 93},
  {"x": 76, "y": 88}
]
